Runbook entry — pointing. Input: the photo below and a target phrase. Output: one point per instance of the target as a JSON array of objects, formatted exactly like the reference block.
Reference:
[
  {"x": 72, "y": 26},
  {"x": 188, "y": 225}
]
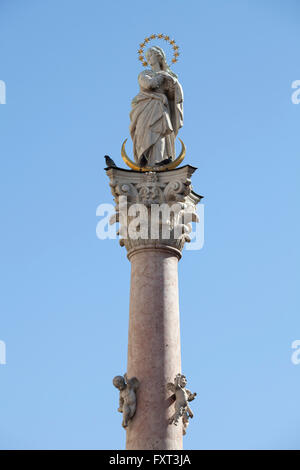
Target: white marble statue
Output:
[
  {"x": 157, "y": 112},
  {"x": 182, "y": 398},
  {"x": 127, "y": 399}
]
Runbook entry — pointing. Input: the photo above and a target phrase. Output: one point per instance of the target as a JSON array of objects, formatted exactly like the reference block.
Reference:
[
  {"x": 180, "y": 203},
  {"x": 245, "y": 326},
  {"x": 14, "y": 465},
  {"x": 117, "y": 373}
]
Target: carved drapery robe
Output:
[{"x": 156, "y": 117}]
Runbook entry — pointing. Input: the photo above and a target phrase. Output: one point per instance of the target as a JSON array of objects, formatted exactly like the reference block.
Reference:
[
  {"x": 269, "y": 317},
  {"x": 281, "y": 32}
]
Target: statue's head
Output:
[
  {"x": 119, "y": 382},
  {"x": 183, "y": 381},
  {"x": 156, "y": 54},
  {"x": 180, "y": 380}
]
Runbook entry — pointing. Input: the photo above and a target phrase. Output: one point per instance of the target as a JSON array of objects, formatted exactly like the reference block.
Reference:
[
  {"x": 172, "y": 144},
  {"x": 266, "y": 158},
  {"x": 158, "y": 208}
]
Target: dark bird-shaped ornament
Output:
[{"x": 109, "y": 162}]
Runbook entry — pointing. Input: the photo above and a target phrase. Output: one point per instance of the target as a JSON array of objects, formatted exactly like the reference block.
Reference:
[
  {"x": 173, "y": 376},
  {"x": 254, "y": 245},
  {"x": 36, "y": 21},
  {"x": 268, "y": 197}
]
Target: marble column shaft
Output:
[
  {"x": 154, "y": 346},
  {"x": 154, "y": 325}
]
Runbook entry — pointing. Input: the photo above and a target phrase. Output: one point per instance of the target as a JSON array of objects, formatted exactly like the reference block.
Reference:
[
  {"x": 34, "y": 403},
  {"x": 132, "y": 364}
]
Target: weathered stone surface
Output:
[
  {"x": 154, "y": 346},
  {"x": 154, "y": 327},
  {"x": 182, "y": 398},
  {"x": 154, "y": 191},
  {"x": 157, "y": 111},
  {"x": 127, "y": 399}
]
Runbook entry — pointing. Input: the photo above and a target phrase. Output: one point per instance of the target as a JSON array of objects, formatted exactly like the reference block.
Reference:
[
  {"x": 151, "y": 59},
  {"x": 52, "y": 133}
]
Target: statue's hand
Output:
[
  {"x": 157, "y": 81},
  {"x": 191, "y": 396},
  {"x": 168, "y": 76}
]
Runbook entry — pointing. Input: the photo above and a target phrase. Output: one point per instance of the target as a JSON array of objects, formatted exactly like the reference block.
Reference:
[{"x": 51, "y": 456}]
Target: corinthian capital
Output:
[{"x": 154, "y": 208}]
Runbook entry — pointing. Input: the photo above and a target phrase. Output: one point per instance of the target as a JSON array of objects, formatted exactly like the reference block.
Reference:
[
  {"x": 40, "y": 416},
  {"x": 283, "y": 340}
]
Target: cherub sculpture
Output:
[
  {"x": 127, "y": 400},
  {"x": 182, "y": 396}
]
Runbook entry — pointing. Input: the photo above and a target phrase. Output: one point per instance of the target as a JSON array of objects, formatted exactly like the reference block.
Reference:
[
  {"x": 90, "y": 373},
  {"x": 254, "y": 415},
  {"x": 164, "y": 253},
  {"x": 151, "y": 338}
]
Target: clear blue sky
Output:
[{"x": 70, "y": 68}]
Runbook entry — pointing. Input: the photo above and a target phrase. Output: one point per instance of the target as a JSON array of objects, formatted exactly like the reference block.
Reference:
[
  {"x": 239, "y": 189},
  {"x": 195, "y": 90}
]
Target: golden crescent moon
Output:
[{"x": 169, "y": 166}]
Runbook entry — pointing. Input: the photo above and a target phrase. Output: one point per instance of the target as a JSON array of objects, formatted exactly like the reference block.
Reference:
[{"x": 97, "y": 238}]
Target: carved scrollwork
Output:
[{"x": 166, "y": 195}]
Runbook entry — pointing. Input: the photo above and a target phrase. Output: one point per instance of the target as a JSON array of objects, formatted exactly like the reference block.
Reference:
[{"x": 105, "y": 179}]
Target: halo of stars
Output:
[{"x": 158, "y": 36}]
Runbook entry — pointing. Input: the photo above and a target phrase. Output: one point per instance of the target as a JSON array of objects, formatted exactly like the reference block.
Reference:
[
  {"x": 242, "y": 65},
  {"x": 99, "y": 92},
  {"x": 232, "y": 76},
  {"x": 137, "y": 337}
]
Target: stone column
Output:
[
  {"x": 154, "y": 345},
  {"x": 154, "y": 326}
]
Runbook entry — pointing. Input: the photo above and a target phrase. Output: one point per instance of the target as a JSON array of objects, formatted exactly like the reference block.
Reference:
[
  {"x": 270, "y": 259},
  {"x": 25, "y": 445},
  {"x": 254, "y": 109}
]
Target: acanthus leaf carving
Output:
[{"x": 167, "y": 193}]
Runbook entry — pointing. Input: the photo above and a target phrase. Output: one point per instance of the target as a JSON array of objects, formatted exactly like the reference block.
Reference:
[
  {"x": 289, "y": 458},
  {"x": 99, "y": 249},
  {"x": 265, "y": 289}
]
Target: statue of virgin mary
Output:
[{"x": 157, "y": 112}]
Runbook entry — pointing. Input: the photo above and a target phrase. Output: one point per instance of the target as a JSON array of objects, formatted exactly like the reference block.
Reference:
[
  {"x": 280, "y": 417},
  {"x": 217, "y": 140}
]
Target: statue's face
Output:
[
  {"x": 153, "y": 58},
  {"x": 183, "y": 381},
  {"x": 119, "y": 383}
]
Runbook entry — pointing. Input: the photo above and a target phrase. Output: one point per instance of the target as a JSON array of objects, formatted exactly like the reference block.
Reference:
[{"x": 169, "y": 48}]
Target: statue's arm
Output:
[
  {"x": 149, "y": 82},
  {"x": 121, "y": 403},
  {"x": 191, "y": 396}
]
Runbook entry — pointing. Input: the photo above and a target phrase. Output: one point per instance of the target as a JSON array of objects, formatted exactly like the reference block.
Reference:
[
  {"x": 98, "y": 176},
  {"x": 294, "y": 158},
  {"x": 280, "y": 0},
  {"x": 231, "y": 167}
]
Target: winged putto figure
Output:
[
  {"x": 182, "y": 397},
  {"x": 127, "y": 399}
]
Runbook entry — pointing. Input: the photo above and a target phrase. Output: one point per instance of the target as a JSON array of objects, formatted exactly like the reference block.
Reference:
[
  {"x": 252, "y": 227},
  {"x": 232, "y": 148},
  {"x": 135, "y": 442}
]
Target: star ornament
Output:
[{"x": 166, "y": 38}]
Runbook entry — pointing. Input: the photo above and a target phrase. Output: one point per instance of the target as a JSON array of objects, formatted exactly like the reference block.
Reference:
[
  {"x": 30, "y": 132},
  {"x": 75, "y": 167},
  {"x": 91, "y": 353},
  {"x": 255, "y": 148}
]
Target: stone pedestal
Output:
[{"x": 154, "y": 327}]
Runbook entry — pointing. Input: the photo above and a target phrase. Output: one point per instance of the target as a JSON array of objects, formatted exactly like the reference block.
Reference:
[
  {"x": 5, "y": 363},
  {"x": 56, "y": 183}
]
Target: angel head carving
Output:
[{"x": 119, "y": 382}]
